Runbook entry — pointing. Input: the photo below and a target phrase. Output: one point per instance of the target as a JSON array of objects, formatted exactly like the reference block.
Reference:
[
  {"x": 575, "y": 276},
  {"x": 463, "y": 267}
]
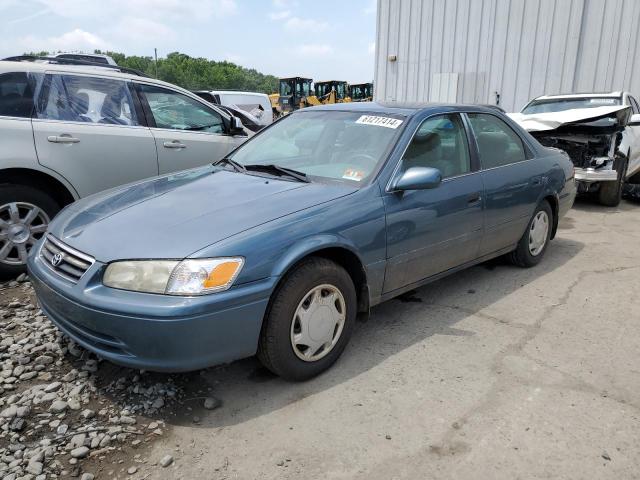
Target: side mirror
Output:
[
  {"x": 418, "y": 178},
  {"x": 236, "y": 128},
  {"x": 634, "y": 120}
]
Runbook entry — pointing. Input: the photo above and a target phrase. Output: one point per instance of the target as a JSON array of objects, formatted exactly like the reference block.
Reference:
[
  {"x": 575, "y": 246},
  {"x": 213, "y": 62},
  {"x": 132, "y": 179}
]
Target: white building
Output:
[{"x": 504, "y": 51}]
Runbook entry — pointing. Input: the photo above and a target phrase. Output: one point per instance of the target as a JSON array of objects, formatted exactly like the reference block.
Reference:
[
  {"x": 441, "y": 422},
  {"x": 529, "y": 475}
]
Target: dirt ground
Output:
[{"x": 495, "y": 372}]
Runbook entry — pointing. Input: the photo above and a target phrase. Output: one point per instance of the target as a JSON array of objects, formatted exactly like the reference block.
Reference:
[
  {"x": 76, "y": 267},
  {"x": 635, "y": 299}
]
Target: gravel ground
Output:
[
  {"x": 495, "y": 372},
  {"x": 64, "y": 413}
]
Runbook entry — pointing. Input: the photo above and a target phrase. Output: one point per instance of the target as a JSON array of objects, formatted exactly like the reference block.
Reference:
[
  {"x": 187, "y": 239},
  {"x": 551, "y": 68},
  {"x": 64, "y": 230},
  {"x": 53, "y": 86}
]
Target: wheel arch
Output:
[
  {"x": 61, "y": 193},
  {"x": 332, "y": 248},
  {"x": 552, "y": 199}
]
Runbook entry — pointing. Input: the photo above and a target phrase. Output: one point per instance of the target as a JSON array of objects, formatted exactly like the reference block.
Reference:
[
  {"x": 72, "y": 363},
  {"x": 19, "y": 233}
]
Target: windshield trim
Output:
[
  {"x": 375, "y": 173},
  {"x": 543, "y": 101}
]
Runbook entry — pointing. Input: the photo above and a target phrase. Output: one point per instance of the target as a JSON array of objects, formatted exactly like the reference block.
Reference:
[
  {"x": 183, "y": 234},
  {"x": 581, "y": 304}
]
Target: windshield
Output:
[
  {"x": 335, "y": 145},
  {"x": 562, "y": 104}
]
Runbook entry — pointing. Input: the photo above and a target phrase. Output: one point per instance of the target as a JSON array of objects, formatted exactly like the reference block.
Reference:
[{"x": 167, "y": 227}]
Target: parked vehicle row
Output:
[
  {"x": 276, "y": 248},
  {"x": 70, "y": 131}
]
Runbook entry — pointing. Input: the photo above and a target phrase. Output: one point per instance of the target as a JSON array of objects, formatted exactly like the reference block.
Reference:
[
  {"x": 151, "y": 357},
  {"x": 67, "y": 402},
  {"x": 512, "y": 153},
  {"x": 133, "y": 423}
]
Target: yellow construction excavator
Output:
[
  {"x": 297, "y": 92},
  {"x": 361, "y": 92}
]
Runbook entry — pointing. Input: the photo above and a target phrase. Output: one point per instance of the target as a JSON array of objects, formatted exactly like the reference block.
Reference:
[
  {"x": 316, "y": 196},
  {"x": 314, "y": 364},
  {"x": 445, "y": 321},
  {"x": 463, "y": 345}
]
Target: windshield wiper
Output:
[
  {"x": 278, "y": 170},
  {"x": 237, "y": 166}
]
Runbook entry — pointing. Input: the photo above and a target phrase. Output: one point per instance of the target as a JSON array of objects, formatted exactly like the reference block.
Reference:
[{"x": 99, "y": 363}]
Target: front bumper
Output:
[
  {"x": 153, "y": 332},
  {"x": 595, "y": 175}
]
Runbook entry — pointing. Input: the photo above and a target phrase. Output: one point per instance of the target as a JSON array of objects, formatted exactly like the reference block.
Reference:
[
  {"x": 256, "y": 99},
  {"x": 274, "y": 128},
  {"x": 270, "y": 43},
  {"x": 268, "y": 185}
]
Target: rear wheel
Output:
[
  {"x": 610, "y": 193},
  {"x": 534, "y": 242},
  {"x": 309, "y": 321},
  {"x": 24, "y": 217}
]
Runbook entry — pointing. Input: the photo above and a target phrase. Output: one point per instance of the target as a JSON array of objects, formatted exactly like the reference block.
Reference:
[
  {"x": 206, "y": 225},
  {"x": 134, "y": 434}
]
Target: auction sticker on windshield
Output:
[
  {"x": 351, "y": 174},
  {"x": 379, "y": 121}
]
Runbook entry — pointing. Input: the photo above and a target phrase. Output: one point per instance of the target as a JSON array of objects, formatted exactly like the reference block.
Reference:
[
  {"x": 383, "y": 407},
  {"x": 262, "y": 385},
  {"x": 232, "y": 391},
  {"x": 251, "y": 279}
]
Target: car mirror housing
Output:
[
  {"x": 634, "y": 120},
  {"x": 237, "y": 128},
  {"x": 418, "y": 178}
]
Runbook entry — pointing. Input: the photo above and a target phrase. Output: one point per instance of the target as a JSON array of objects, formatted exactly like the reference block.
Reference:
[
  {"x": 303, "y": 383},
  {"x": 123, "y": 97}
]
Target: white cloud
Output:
[
  {"x": 372, "y": 48},
  {"x": 142, "y": 30},
  {"x": 305, "y": 25},
  {"x": 75, "y": 40},
  {"x": 158, "y": 9},
  {"x": 314, "y": 49},
  {"x": 280, "y": 15}
]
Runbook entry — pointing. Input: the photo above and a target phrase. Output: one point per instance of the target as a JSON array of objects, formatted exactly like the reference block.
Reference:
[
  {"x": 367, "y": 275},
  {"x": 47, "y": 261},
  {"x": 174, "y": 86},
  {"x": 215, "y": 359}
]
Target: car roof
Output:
[
  {"x": 402, "y": 108},
  {"x": 617, "y": 94},
  {"x": 42, "y": 67}
]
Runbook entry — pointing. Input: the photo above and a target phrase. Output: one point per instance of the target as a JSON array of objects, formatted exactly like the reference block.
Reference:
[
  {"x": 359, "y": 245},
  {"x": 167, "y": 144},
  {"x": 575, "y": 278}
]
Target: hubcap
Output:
[
  {"x": 318, "y": 322},
  {"x": 538, "y": 232},
  {"x": 21, "y": 226}
]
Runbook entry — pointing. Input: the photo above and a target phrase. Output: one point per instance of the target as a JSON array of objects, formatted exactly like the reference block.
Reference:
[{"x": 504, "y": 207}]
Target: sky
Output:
[{"x": 323, "y": 40}]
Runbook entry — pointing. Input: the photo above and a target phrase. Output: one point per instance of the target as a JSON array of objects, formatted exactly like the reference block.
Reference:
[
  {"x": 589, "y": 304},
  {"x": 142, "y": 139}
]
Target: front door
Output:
[
  {"x": 188, "y": 133},
  {"x": 87, "y": 129},
  {"x": 431, "y": 231}
]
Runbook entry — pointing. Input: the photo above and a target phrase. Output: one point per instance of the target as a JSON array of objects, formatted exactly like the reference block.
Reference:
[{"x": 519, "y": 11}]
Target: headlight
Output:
[{"x": 189, "y": 277}]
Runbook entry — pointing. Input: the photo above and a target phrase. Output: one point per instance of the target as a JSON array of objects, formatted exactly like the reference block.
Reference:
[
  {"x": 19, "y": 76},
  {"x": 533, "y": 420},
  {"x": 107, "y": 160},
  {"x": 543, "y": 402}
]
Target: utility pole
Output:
[{"x": 155, "y": 54}]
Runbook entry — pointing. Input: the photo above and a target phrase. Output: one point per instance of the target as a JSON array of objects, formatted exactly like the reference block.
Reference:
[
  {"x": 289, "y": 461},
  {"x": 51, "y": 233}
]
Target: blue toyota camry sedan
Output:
[{"x": 276, "y": 249}]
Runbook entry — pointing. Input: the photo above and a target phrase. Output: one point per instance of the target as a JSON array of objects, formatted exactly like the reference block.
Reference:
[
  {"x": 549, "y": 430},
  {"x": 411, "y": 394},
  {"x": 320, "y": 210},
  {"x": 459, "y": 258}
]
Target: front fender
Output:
[{"x": 307, "y": 246}]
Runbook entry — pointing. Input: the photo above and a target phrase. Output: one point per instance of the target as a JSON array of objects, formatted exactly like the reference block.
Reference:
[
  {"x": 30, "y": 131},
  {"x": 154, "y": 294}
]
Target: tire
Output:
[
  {"x": 24, "y": 198},
  {"x": 524, "y": 256},
  {"x": 610, "y": 193},
  {"x": 276, "y": 349}
]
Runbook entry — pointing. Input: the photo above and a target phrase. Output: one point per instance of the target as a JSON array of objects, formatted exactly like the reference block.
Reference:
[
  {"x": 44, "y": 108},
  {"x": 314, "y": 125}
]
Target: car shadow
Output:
[{"x": 247, "y": 390}]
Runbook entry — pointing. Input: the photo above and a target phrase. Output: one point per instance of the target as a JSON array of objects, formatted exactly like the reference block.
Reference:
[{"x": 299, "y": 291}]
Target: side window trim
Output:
[{"x": 528, "y": 151}]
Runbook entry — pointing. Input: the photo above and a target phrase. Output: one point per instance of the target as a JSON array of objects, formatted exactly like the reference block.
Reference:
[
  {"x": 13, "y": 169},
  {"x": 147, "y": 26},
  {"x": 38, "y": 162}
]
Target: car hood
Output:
[
  {"x": 602, "y": 118},
  {"x": 177, "y": 215}
]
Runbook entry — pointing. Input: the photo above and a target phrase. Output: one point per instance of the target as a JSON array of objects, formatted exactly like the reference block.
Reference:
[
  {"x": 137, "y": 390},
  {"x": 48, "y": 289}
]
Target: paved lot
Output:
[{"x": 495, "y": 372}]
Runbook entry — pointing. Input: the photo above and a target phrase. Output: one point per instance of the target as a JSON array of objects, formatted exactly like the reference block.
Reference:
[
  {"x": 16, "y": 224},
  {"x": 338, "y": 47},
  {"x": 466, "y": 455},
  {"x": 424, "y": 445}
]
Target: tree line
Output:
[{"x": 197, "y": 73}]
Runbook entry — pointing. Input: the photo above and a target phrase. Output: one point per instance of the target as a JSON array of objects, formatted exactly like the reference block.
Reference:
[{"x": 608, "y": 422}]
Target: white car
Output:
[
  {"x": 256, "y": 104},
  {"x": 69, "y": 131},
  {"x": 599, "y": 131}
]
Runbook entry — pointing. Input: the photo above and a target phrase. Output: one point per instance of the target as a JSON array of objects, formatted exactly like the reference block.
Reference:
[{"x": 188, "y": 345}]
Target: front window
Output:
[
  {"x": 562, "y": 104},
  {"x": 440, "y": 143},
  {"x": 335, "y": 145},
  {"x": 176, "y": 111}
]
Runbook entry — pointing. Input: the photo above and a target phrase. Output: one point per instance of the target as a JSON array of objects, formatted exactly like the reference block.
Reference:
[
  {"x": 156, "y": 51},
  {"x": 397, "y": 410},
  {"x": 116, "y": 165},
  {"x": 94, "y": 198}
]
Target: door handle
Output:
[
  {"x": 64, "y": 138},
  {"x": 474, "y": 199},
  {"x": 174, "y": 144}
]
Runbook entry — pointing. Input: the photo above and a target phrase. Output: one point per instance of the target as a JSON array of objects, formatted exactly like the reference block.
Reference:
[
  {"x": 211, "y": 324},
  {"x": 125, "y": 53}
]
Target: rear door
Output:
[
  {"x": 513, "y": 181},
  {"x": 430, "y": 231},
  {"x": 88, "y": 129},
  {"x": 188, "y": 133}
]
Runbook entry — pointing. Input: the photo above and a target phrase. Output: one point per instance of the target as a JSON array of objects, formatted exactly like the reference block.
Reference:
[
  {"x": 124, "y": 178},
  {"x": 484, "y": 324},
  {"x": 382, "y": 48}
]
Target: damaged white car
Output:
[{"x": 599, "y": 131}]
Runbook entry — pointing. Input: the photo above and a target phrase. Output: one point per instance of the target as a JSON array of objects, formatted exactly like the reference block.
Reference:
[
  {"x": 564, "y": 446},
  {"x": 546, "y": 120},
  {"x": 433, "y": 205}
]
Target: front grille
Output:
[{"x": 64, "y": 260}]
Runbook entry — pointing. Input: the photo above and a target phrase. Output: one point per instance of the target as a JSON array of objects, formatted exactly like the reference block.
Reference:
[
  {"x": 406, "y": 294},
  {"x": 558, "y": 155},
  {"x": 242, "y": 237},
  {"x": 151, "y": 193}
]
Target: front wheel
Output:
[
  {"x": 534, "y": 241},
  {"x": 24, "y": 217},
  {"x": 610, "y": 193},
  {"x": 309, "y": 321}
]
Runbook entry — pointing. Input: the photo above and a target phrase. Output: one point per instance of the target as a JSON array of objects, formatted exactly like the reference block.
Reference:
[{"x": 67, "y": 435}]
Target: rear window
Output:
[
  {"x": 562, "y": 104},
  {"x": 16, "y": 94}
]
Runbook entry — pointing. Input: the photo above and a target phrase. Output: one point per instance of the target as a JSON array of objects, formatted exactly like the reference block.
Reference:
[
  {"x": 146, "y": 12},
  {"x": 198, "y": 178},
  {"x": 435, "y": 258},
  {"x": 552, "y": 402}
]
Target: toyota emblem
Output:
[{"x": 56, "y": 259}]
